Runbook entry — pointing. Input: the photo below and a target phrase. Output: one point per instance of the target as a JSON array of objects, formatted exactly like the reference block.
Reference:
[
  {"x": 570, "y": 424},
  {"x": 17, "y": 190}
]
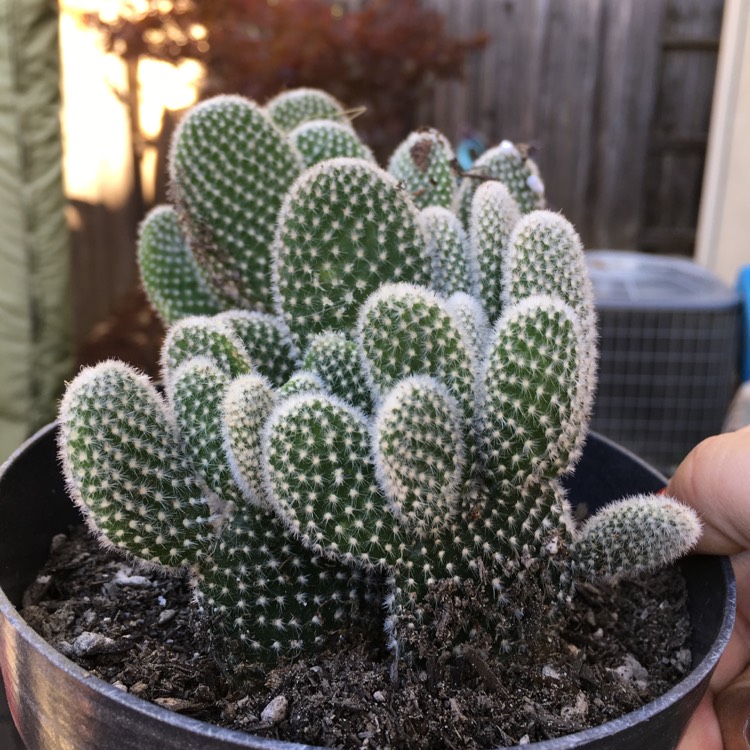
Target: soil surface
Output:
[{"x": 622, "y": 647}]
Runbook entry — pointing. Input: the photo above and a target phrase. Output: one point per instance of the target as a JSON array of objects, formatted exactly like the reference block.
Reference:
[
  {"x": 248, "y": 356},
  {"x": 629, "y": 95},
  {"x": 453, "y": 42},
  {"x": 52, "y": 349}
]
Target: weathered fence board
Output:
[{"x": 674, "y": 163}]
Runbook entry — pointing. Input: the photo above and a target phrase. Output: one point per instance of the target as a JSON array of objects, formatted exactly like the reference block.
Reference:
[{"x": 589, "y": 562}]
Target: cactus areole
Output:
[{"x": 388, "y": 403}]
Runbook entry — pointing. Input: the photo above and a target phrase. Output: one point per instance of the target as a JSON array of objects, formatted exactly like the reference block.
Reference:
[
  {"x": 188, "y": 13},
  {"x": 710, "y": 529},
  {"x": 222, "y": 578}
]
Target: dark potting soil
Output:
[{"x": 623, "y": 646}]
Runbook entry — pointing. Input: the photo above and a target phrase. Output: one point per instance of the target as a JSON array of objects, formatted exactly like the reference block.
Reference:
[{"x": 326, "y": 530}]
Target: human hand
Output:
[{"x": 715, "y": 480}]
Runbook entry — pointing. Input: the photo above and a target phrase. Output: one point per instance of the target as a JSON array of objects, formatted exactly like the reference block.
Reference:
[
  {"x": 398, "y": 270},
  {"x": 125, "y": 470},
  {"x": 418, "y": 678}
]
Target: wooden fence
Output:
[{"x": 615, "y": 94}]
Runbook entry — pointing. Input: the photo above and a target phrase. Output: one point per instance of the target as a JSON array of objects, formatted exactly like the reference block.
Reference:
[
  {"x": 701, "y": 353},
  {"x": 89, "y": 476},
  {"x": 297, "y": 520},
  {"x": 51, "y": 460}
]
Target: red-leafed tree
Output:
[{"x": 381, "y": 55}]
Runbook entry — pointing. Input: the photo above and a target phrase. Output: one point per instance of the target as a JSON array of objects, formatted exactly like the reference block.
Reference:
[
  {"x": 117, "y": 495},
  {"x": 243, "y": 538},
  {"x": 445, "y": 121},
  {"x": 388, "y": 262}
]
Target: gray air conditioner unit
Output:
[{"x": 669, "y": 352}]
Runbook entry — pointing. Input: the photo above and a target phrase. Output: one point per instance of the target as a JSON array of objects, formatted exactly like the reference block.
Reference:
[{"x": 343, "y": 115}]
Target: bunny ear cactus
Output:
[
  {"x": 345, "y": 226},
  {"x": 203, "y": 337},
  {"x": 266, "y": 340},
  {"x": 494, "y": 214},
  {"x": 158, "y": 485},
  {"x": 506, "y": 164},
  {"x": 318, "y": 140},
  {"x": 399, "y": 424},
  {"x": 291, "y": 108},
  {"x": 636, "y": 534},
  {"x": 173, "y": 280},
  {"x": 230, "y": 168},
  {"x": 452, "y": 257},
  {"x": 335, "y": 359},
  {"x": 126, "y": 470},
  {"x": 424, "y": 164},
  {"x": 419, "y": 449}
]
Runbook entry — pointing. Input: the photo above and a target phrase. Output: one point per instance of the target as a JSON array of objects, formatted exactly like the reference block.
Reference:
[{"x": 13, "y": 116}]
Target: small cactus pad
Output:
[
  {"x": 454, "y": 264},
  {"x": 321, "y": 479},
  {"x": 197, "y": 393},
  {"x": 290, "y": 109},
  {"x": 533, "y": 415},
  {"x": 544, "y": 256},
  {"x": 335, "y": 359},
  {"x": 170, "y": 275},
  {"x": 423, "y": 163},
  {"x": 125, "y": 468},
  {"x": 407, "y": 330},
  {"x": 494, "y": 213},
  {"x": 230, "y": 169},
  {"x": 420, "y": 454},
  {"x": 634, "y": 535},
  {"x": 267, "y": 342},
  {"x": 506, "y": 164},
  {"x": 203, "y": 337},
  {"x": 471, "y": 318},
  {"x": 303, "y": 381},
  {"x": 345, "y": 227},
  {"x": 318, "y": 140},
  {"x": 249, "y": 401}
]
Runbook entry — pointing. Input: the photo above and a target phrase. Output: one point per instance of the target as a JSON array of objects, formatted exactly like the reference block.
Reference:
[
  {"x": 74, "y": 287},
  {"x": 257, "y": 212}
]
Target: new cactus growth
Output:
[
  {"x": 508, "y": 165},
  {"x": 170, "y": 275},
  {"x": 398, "y": 419},
  {"x": 424, "y": 164},
  {"x": 290, "y": 109},
  {"x": 318, "y": 140}
]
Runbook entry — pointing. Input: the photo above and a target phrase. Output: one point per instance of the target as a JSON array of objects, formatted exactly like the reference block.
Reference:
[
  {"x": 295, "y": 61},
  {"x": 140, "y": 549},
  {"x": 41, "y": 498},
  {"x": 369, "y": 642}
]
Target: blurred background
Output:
[{"x": 637, "y": 112}]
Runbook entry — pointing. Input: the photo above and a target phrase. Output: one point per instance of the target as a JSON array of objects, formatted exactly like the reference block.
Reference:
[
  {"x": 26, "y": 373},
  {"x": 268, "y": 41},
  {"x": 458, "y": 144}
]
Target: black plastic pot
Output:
[{"x": 56, "y": 705}]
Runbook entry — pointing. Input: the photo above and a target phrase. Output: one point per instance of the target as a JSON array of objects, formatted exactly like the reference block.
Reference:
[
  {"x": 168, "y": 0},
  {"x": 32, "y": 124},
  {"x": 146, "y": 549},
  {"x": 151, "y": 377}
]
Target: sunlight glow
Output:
[{"x": 95, "y": 117}]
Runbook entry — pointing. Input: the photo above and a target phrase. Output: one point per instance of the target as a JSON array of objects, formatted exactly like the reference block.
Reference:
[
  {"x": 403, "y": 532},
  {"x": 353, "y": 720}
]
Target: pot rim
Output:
[{"x": 255, "y": 742}]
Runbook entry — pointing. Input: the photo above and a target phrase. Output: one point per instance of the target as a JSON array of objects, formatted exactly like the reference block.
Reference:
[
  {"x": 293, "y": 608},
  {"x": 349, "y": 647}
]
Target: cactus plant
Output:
[
  {"x": 230, "y": 168},
  {"x": 289, "y": 109},
  {"x": 172, "y": 279},
  {"x": 508, "y": 165},
  {"x": 424, "y": 163},
  {"x": 318, "y": 140},
  {"x": 400, "y": 421}
]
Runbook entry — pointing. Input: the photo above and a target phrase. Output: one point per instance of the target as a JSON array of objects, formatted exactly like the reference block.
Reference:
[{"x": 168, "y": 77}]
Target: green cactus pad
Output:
[
  {"x": 494, "y": 213},
  {"x": 321, "y": 479},
  {"x": 270, "y": 594},
  {"x": 249, "y": 401},
  {"x": 318, "y": 140},
  {"x": 544, "y": 256},
  {"x": 203, "y": 337},
  {"x": 406, "y": 330},
  {"x": 170, "y": 275},
  {"x": 230, "y": 168},
  {"x": 534, "y": 413},
  {"x": 453, "y": 260},
  {"x": 345, "y": 227},
  {"x": 506, "y": 164},
  {"x": 420, "y": 454},
  {"x": 196, "y": 394},
  {"x": 470, "y": 316},
  {"x": 335, "y": 359},
  {"x": 125, "y": 468},
  {"x": 267, "y": 342},
  {"x": 291, "y": 108},
  {"x": 635, "y": 535},
  {"x": 423, "y": 163},
  {"x": 303, "y": 381}
]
